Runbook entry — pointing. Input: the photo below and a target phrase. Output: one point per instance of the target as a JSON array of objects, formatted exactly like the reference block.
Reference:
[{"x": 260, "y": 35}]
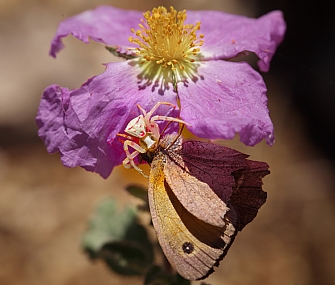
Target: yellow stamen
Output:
[{"x": 164, "y": 39}]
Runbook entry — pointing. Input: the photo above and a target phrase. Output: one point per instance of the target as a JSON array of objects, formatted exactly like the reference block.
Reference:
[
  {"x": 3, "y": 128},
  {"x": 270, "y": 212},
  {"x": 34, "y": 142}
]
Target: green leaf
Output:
[
  {"x": 107, "y": 225},
  {"x": 138, "y": 192},
  {"x": 116, "y": 237}
]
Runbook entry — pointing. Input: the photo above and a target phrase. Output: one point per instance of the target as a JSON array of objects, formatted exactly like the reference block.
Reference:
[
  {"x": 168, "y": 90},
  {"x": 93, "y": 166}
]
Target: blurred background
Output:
[{"x": 45, "y": 207}]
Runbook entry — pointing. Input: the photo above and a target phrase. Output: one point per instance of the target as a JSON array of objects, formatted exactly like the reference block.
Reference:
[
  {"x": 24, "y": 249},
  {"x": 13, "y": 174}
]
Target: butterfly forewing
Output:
[
  {"x": 200, "y": 175},
  {"x": 248, "y": 196}
]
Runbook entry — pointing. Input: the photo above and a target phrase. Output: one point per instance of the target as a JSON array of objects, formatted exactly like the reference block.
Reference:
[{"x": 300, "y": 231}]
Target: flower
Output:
[{"x": 172, "y": 62}]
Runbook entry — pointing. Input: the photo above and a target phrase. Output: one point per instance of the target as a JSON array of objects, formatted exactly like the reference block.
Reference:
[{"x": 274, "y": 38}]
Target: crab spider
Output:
[{"x": 145, "y": 130}]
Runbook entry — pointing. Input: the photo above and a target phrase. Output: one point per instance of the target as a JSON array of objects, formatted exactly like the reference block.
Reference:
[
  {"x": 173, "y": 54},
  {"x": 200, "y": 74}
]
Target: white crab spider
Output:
[{"x": 145, "y": 128}]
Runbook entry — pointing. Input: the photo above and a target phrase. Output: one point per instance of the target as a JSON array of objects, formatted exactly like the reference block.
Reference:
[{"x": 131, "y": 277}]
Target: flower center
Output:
[{"x": 164, "y": 39}]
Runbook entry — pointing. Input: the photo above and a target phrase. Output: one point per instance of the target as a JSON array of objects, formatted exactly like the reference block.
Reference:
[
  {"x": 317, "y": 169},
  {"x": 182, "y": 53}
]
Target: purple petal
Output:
[
  {"x": 50, "y": 117},
  {"x": 226, "y": 98},
  {"x": 82, "y": 124},
  {"x": 227, "y": 35},
  {"x": 105, "y": 24}
]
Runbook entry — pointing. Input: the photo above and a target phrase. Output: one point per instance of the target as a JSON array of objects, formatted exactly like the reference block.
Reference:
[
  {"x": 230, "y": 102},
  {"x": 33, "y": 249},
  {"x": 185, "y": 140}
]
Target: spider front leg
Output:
[
  {"x": 172, "y": 119},
  {"x": 154, "y": 108},
  {"x": 148, "y": 122},
  {"x": 128, "y": 162}
]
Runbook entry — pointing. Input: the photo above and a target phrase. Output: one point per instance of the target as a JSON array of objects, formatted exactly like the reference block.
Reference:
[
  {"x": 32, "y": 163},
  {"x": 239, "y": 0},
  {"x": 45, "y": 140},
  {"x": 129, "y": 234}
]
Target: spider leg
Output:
[
  {"x": 142, "y": 110},
  {"x": 170, "y": 119},
  {"x": 154, "y": 108},
  {"x": 128, "y": 162},
  {"x": 124, "y": 136},
  {"x": 155, "y": 128},
  {"x": 151, "y": 124}
]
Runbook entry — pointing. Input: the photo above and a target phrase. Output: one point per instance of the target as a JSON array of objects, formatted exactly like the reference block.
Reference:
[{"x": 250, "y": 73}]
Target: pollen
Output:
[{"x": 164, "y": 39}]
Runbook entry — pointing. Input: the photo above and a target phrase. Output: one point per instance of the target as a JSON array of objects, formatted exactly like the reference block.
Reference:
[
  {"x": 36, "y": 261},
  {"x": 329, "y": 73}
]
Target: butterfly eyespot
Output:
[{"x": 188, "y": 247}]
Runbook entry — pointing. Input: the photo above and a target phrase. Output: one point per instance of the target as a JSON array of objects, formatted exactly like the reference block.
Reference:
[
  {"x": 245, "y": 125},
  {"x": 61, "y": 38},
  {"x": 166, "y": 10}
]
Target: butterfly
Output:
[{"x": 200, "y": 195}]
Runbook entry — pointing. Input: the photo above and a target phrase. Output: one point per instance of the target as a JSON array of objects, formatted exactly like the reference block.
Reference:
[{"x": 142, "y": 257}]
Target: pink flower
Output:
[{"x": 182, "y": 59}]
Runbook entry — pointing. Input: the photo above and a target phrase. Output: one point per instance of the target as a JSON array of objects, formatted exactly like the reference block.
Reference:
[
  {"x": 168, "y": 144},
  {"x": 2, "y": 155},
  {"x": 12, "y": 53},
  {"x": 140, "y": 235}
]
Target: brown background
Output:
[{"x": 45, "y": 207}]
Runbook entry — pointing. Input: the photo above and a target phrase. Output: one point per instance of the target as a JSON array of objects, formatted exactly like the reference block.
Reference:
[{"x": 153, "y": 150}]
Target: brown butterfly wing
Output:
[
  {"x": 236, "y": 180},
  {"x": 192, "y": 246},
  {"x": 248, "y": 196},
  {"x": 194, "y": 226},
  {"x": 200, "y": 175}
]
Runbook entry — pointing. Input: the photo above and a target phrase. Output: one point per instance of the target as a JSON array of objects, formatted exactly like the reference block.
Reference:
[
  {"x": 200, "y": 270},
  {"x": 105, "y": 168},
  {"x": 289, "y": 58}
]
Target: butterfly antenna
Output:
[
  {"x": 181, "y": 130},
  {"x": 177, "y": 137},
  {"x": 163, "y": 131}
]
